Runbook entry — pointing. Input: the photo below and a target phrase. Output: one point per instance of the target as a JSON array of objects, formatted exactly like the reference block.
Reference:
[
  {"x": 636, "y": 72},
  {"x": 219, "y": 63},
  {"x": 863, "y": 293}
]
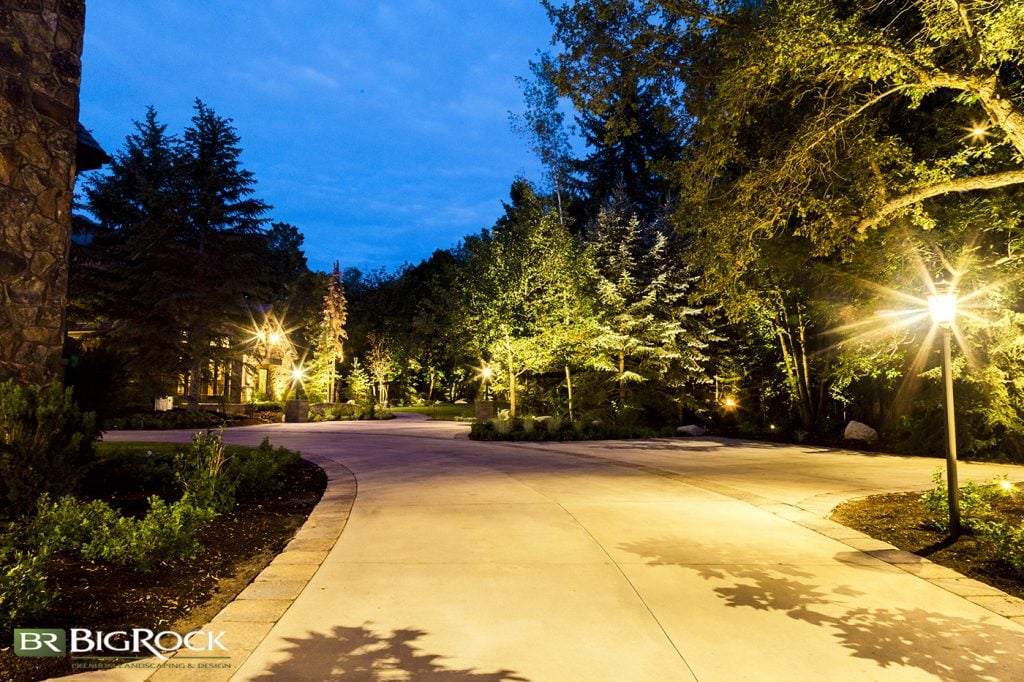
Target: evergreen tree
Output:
[
  {"x": 641, "y": 290},
  {"x": 131, "y": 270},
  {"x": 330, "y": 340},
  {"x": 180, "y": 250},
  {"x": 223, "y": 230}
]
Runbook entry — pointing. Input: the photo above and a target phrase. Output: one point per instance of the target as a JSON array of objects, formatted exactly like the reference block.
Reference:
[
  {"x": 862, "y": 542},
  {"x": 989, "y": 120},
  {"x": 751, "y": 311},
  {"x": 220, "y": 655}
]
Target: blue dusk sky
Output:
[{"x": 380, "y": 129}]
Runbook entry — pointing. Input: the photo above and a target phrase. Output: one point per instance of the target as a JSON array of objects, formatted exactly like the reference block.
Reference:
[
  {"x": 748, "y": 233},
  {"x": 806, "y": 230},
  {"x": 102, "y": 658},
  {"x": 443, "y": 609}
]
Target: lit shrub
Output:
[
  {"x": 46, "y": 444},
  {"x": 975, "y": 503},
  {"x": 254, "y": 471},
  {"x": 199, "y": 468},
  {"x": 24, "y": 594}
]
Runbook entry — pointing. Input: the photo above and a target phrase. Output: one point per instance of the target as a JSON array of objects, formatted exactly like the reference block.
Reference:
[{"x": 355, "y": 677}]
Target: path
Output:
[{"x": 650, "y": 560}]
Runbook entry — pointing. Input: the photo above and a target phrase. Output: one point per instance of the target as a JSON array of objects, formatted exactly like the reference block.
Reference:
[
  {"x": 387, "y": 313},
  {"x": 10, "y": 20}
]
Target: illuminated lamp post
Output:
[
  {"x": 942, "y": 306},
  {"x": 486, "y": 377}
]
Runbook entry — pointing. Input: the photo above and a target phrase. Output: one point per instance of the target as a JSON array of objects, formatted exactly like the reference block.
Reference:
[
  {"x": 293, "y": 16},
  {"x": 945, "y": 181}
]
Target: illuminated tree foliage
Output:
[
  {"x": 817, "y": 145},
  {"x": 329, "y": 351}
]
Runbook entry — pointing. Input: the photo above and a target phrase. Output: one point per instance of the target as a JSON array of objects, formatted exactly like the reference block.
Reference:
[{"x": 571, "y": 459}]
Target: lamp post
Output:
[
  {"x": 486, "y": 375},
  {"x": 942, "y": 306}
]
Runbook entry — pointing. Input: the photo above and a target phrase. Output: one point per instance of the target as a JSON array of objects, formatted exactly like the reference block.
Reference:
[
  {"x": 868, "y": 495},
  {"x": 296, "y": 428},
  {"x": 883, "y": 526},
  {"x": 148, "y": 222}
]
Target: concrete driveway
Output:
[{"x": 700, "y": 559}]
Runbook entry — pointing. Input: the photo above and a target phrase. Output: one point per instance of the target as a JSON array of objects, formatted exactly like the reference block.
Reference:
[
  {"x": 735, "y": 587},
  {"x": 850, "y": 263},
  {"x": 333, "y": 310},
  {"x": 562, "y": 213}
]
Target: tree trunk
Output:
[
  {"x": 195, "y": 383},
  {"x": 568, "y": 386},
  {"x": 622, "y": 379},
  {"x": 511, "y": 382}
]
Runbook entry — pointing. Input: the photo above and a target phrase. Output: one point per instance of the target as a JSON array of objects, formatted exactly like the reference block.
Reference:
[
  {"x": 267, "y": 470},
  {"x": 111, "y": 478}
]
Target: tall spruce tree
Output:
[{"x": 180, "y": 250}]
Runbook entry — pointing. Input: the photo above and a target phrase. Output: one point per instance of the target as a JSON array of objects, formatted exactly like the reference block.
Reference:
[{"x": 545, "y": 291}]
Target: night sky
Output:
[{"x": 380, "y": 129}]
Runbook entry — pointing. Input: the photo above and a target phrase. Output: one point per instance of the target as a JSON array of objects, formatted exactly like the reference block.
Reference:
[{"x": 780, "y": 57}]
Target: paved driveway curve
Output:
[{"x": 653, "y": 560}]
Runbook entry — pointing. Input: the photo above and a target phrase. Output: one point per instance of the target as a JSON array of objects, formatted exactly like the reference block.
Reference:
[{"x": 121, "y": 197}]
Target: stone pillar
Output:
[{"x": 40, "y": 73}]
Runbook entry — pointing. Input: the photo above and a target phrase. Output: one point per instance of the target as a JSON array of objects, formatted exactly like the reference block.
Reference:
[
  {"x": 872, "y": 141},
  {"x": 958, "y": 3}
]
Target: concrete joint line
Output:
[{"x": 991, "y": 599}]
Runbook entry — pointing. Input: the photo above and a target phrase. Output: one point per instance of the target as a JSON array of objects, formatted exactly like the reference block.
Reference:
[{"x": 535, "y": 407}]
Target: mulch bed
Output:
[
  {"x": 184, "y": 595},
  {"x": 901, "y": 520}
]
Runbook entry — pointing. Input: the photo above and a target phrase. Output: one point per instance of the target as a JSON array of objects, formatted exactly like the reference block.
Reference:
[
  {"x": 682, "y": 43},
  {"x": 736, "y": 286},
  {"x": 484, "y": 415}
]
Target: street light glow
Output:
[
  {"x": 486, "y": 373},
  {"x": 942, "y": 307}
]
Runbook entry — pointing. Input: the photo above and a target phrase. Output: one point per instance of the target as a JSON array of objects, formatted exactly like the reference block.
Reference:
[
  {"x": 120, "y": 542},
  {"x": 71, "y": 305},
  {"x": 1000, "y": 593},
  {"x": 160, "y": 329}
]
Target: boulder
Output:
[
  {"x": 857, "y": 431},
  {"x": 690, "y": 430}
]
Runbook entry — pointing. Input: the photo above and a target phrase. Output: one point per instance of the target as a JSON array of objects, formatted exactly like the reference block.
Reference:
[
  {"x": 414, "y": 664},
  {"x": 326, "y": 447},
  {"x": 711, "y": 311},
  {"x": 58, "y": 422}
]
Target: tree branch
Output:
[{"x": 992, "y": 181}]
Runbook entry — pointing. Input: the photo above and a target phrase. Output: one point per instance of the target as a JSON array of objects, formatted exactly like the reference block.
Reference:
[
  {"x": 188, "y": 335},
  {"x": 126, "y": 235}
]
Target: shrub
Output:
[
  {"x": 46, "y": 443},
  {"x": 1009, "y": 543},
  {"x": 199, "y": 468},
  {"x": 24, "y": 594},
  {"x": 975, "y": 504},
  {"x": 253, "y": 471},
  {"x": 99, "y": 533},
  {"x": 165, "y": 533},
  {"x": 67, "y": 524}
]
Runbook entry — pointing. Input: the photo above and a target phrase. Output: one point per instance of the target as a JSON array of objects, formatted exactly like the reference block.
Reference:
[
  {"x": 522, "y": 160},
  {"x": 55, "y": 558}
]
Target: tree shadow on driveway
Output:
[
  {"x": 948, "y": 646},
  {"x": 359, "y": 653}
]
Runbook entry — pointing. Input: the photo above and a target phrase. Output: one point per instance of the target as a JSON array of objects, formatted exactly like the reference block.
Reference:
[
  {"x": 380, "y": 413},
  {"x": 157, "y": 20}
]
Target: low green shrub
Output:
[
  {"x": 975, "y": 503},
  {"x": 264, "y": 406},
  {"x": 331, "y": 412},
  {"x": 46, "y": 444},
  {"x": 253, "y": 471},
  {"x": 67, "y": 524},
  {"x": 199, "y": 470},
  {"x": 171, "y": 419},
  {"x": 167, "y": 532},
  {"x": 97, "y": 532},
  {"x": 1009, "y": 542},
  {"x": 24, "y": 594},
  {"x": 537, "y": 429}
]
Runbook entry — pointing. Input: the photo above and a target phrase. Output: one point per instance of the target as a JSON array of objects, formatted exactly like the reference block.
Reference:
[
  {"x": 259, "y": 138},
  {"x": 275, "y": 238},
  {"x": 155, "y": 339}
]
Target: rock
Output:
[
  {"x": 857, "y": 431},
  {"x": 690, "y": 430},
  {"x": 460, "y": 401}
]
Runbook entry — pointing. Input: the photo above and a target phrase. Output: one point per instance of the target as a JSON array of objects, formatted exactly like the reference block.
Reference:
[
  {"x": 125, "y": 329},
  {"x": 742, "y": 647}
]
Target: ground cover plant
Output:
[{"x": 161, "y": 535}]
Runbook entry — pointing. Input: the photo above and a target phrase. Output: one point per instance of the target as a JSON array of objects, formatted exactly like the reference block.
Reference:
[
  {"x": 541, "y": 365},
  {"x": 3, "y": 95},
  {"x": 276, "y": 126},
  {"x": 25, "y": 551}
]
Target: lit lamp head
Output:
[
  {"x": 486, "y": 373},
  {"x": 297, "y": 374},
  {"x": 942, "y": 306}
]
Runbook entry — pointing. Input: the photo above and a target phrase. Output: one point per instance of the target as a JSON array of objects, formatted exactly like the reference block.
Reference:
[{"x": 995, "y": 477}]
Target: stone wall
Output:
[{"x": 40, "y": 72}]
